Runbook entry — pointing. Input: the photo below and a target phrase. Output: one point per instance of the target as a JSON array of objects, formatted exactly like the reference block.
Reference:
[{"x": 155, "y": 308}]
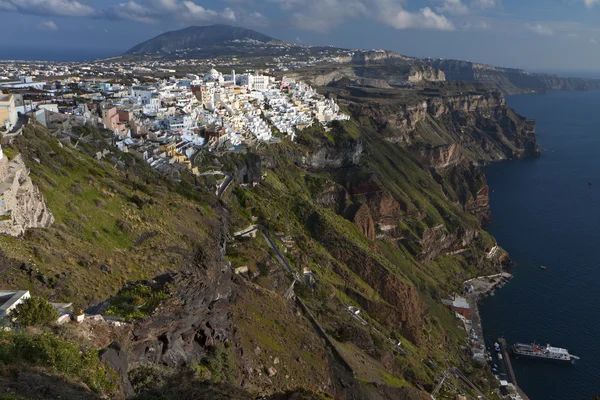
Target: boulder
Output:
[{"x": 116, "y": 358}]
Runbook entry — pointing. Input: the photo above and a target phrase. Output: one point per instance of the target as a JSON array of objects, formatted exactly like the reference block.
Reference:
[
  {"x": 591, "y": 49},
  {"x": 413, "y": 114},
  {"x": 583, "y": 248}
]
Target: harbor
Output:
[{"x": 494, "y": 354}]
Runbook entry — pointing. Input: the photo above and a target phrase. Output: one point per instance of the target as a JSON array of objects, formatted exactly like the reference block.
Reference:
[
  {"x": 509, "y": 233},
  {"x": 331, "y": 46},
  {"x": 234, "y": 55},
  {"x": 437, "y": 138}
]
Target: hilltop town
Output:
[{"x": 167, "y": 121}]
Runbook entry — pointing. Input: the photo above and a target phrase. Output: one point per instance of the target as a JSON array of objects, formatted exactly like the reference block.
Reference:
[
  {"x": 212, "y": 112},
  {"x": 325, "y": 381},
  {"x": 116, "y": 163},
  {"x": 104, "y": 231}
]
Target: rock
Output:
[
  {"x": 105, "y": 268},
  {"x": 43, "y": 279},
  {"x": 116, "y": 358},
  {"x": 257, "y": 350},
  {"x": 23, "y": 201},
  {"x": 276, "y": 360},
  {"x": 63, "y": 319},
  {"x": 271, "y": 371},
  {"x": 241, "y": 270}
]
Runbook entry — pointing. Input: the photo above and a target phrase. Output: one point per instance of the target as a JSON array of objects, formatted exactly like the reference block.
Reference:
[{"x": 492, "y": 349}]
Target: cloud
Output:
[
  {"x": 48, "y": 26},
  {"x": 324, "y": 15},
  {"x": 143, "y": 11},
  {"x": 540, "y": 29},
  {"x": 425, "y": 18},
  {"x": 476, "y": 25},
  {"x": 153, "y": 11},
  {"x": 572, "y": 35},
  {"x": 593, "y": 41},
  {"x": 488, "y": 3},
  {"x": 591, "y": 3},
  {"x": 61, "y": 8},
  {"x": 456, "y": 7}
]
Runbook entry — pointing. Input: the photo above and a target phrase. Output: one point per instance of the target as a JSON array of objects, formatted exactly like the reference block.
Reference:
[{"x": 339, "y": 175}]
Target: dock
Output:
[{"x": 510, "y": 373}]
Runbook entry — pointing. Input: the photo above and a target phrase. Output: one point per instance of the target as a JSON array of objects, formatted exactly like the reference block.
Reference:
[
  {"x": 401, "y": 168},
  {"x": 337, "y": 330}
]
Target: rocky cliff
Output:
[
  {"x": 509, "y": 80},
  {"x": 22, "y": 206},
  {"x": 446, "y": 129}
]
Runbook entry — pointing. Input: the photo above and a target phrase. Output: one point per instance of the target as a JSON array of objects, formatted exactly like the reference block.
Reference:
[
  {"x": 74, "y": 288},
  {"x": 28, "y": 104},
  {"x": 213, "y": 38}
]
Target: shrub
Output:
[
  {"x": 136, "y": 302},
  {"x": 35, "y": 311},
  {"x": 57, "y": 355},
  {"x": 220, "y": 363}
]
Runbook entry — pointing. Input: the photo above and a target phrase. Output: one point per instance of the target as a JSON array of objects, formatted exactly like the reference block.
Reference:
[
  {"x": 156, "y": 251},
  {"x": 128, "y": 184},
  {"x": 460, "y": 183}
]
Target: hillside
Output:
[
  {"x": 385, "y": 210},
  {"x": 196, "y": 37}
]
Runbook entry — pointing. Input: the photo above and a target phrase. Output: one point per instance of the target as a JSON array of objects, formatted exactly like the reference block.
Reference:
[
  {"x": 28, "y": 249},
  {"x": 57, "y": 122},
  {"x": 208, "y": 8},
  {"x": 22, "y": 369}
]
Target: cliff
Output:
[
  {"x": 449, "y": 128},
  {"x": 509, "y": 80},
  {"x": 382, "y": 213}
]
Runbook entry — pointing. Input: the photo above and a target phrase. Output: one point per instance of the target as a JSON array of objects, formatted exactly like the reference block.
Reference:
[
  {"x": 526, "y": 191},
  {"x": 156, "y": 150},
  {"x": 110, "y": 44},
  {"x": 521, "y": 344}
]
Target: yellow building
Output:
[{"x": 8, "y": 111}]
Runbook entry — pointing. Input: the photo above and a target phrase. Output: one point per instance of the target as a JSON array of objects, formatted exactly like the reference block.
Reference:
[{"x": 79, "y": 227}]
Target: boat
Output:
[
  {"x": 547, "y": 352},
  {"x": 543, "y": 267}
]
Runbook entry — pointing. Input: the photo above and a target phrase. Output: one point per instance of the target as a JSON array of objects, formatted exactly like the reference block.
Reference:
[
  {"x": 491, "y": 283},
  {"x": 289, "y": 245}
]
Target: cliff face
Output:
[
  {"x": 510, "y": 80},
  {"x": 445, "y": 130}
]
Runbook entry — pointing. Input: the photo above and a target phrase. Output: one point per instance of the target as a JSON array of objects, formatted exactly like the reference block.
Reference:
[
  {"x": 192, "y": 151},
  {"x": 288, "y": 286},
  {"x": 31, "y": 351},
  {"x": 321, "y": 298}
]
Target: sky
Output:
[{"x": 538, "y": 35}]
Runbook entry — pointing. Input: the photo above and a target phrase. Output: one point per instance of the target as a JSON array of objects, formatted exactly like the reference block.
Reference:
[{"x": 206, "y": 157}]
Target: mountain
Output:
[{"x": 196, "y": 37}]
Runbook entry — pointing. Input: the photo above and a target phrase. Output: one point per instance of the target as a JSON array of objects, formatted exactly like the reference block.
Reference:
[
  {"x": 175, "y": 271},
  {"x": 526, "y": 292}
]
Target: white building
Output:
[{"x": 10, "y": 299}]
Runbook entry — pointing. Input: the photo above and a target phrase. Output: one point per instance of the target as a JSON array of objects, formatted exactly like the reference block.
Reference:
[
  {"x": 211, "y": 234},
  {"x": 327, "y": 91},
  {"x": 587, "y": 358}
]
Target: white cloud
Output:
[
  {"x": 485, "y": 3},
  {"x": 540, "y": 29},
  {"x": 63, "y": 8},
  {"x": 7, "y": 6},
  {"x": 477, "y": 25},
  {"x": 425, "y": 18},
  {"x": 48, "y": 26},
  {"x": 456, "y": 7},
  {"x": 323, "y": 15},
  {"x": 591, "y": 3},
  {"x": 153, "y": 11},
  {"x": 572, "y": 35}
]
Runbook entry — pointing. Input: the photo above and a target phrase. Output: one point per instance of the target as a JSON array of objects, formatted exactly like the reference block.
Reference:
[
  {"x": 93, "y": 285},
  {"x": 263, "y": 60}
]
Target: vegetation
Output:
[
  {"x": 59, "y": 356},
  {"x": 220, "y": 364},
  {"x": 35, "y": 311},
  {"x": 136, "y": 302}
]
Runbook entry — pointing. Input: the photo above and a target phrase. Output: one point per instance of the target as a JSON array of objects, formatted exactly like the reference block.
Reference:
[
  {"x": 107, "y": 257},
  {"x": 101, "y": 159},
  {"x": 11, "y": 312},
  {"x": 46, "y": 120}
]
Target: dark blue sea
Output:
[{"x": 545, "y": 213}]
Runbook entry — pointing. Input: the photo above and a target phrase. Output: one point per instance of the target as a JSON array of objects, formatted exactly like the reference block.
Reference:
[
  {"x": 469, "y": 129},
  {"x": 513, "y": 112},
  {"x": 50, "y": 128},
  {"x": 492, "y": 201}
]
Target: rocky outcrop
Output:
[
  {"x": 332, "y": 157},
  {"x": 426, "y": 73},
  {"x": 22, "y": 206},
  {"x": 196, "y": 317},
  {"x": 116, "y": 358}
]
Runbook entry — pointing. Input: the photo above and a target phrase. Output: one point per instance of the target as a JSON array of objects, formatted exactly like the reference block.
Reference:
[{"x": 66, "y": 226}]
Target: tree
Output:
[{"x": 35, "y": 311}]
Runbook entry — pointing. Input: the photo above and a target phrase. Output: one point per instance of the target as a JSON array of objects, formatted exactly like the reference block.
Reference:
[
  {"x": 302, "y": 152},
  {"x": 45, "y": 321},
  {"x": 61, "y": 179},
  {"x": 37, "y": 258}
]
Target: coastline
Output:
[{"x": 476, "y": 290}]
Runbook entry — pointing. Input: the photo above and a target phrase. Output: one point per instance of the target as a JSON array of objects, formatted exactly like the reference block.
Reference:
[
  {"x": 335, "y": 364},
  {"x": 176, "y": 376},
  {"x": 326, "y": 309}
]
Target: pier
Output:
[{"x": 510, "y": 373}]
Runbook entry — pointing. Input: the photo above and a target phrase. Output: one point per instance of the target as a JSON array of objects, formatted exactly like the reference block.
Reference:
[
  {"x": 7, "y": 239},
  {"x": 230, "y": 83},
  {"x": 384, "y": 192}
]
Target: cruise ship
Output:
[{"x": 547, "y": 352}]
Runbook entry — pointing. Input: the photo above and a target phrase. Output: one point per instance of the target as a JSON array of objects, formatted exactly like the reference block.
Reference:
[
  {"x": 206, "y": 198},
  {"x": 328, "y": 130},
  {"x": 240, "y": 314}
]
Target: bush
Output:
[
  {"x": 220, "y": 363},
  {"x": 35, "y": 311},
  {"x": 136, "y": 302},
  {"x": 57, "y": 355}
]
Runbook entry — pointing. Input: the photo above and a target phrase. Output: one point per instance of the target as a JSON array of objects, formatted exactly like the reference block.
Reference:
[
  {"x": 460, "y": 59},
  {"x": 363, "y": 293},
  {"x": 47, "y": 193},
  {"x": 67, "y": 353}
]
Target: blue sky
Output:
[{"x": 546, "y": 35}]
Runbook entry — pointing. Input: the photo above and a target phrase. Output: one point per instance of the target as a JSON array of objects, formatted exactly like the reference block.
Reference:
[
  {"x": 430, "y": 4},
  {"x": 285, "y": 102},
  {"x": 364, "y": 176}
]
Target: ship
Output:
[{"x": 548, "y": 353}]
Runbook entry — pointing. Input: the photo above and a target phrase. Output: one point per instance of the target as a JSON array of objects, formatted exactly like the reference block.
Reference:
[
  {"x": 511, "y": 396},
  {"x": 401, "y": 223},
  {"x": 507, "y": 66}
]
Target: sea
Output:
[{"x": 546, "y": 211}]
